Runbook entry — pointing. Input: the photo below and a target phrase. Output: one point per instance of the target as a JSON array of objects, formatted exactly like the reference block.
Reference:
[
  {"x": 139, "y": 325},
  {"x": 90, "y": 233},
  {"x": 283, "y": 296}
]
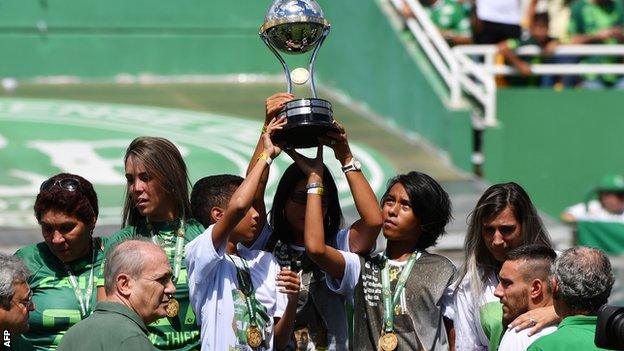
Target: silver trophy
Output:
[{"x": 295, "y": 27}]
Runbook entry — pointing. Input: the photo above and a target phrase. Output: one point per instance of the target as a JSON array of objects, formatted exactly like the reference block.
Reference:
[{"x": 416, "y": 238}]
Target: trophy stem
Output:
[
  {"x": 313, "y": 60},
  {"x": 266, "y": 41}
]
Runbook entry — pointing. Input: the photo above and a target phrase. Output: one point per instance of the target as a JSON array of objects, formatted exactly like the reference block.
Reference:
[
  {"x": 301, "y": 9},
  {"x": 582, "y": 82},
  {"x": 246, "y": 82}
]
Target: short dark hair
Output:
[
  {"x": 538, "y": 261},
  {"x": 584, "y": 277},
  {"x": 532, "y": 252},
  {"x": 81, "y": 203},
  {"x": 212, "y": 191},
  {"x": 541, "y": 18},
  {"x": 430, "y": 203}
]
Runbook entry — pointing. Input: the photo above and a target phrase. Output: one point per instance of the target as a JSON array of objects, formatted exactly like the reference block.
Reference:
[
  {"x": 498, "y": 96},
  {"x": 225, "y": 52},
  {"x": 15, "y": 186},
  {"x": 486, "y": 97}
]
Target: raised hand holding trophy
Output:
[{"x": 295, "y": 27}]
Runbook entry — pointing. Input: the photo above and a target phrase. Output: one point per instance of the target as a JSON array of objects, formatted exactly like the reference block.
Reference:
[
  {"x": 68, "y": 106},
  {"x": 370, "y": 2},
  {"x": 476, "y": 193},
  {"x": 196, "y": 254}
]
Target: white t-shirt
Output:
[
  {"x": 217, "y": 300},
  {"x": 469, "y": 333},
  {"x": 500, "y": 11},
  {"x": 593, "y": 212},
  {"x": 520, "y": 341}
]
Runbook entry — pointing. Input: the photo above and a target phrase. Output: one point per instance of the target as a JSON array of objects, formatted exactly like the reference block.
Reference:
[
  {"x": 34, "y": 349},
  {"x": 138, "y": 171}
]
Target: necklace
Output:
[
  {"x": 83, "y": 300},
  {"x": 389, "y": 340},
  {"x": 254, "y": 335},
  {"x": 173, "y": 306}
]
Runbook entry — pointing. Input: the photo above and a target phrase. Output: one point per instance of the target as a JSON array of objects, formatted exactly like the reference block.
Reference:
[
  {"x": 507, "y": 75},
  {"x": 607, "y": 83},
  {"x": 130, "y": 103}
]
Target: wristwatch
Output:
[{"x": 354, "y": 165}]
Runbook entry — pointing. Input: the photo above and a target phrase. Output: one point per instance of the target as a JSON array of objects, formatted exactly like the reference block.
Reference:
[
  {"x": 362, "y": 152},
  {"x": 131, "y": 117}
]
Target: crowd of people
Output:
[
  {"x": 213, "y": 269},
  {"x": 544, "y": 23}
]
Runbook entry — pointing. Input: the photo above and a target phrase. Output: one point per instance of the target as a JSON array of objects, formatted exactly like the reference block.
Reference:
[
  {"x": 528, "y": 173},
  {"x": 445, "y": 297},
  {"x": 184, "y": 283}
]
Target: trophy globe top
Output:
[{"x": 294, "y": 26}]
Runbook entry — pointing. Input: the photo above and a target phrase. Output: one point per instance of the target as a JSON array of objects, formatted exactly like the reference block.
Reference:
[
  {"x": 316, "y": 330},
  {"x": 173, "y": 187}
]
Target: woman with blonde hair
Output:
[{"x": 157, "y": 206}]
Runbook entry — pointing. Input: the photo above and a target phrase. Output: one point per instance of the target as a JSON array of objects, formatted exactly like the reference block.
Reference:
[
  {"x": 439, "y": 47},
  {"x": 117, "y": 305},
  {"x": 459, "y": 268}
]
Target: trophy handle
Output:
[
  {"x": 265, "y": 39},
  {"x": 313, "y": 59}
]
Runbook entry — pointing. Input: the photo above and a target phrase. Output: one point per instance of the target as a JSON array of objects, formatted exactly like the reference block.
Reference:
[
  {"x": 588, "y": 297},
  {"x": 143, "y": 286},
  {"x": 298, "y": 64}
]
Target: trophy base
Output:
[{"x": 307, "y": 120}]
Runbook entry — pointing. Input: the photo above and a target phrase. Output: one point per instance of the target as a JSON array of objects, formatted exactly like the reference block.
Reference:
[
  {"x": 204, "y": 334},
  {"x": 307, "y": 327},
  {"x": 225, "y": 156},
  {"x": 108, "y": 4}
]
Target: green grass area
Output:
[{"x": 246, "y": 101}]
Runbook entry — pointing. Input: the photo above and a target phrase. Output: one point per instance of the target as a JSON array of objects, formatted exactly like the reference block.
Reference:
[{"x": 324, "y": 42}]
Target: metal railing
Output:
[
  {"x": 479, "y": 69},
  {"x": 472, "y": 69}
]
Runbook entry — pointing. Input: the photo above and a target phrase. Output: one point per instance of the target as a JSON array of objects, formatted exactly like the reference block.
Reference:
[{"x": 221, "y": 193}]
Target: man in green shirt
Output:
[
  {"x": 138, "y": 290},
  {"x": 582, "y": 283}
]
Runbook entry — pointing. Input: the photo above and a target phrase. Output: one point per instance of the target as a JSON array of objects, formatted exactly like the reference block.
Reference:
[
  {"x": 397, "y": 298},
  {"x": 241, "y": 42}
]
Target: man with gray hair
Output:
[
  {"x": 582, "y": 282},
  {"x": 15, "y": 297},
  {"x": 137, "y": 281}
]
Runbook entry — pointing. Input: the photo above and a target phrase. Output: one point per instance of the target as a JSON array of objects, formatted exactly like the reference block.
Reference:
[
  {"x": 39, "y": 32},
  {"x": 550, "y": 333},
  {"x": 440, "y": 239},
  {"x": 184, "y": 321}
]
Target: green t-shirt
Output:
[
  {"x": 588, "y": 18},
  {"x": 112, "y": 326},
  {"x": 491, "y": 318},
  {"x": 56, "y": 305},
  {"x": 182, "y": 331},
  {"x": 573, "y": 333},
  {"x": 450, "y": 15}
]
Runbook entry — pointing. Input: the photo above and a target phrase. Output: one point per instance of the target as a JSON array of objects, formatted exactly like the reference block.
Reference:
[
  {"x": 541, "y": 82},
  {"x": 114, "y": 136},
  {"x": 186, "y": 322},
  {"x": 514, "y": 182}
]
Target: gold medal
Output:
[
  {"x": 388, "y": 342},
  {"x": 173, "y": 307},
  {"x": 254, "y": 336}
]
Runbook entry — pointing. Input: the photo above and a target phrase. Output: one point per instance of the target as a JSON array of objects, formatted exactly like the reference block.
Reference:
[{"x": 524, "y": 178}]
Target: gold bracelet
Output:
[
  {"x": 264, "y": 129},
  {"x": 263, "y": 156},
  {"x": 319, "y": 190}
]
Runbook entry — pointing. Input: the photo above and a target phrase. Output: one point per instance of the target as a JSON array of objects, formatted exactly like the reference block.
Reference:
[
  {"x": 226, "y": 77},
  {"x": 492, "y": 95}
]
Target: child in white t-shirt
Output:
[{"x": 234, "y": 292}]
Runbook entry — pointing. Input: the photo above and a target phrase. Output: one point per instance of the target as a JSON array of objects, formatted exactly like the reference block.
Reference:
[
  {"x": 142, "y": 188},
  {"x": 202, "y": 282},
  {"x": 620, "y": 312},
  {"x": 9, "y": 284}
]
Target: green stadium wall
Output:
[
  {"x": 363, "y": 56},
  {"x": 556, "y": 144}
]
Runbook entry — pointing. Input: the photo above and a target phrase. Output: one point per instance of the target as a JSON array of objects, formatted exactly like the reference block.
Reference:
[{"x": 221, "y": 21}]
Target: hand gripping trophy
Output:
[{"x": 295, "y": 27}]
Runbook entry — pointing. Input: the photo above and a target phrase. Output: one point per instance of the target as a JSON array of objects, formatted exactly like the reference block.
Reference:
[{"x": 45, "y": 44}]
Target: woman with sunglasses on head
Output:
[
  {"x": 65, "y": 265},
  {"x": 157, "y": 206},
  {"x": 321, "y": 319}
]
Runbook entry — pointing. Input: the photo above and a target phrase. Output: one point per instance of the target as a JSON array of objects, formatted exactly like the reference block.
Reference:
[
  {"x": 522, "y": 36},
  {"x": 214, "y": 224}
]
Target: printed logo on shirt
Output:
[
  {"x": 242, "y": 319},
  {"x": 90, "y": 139}
]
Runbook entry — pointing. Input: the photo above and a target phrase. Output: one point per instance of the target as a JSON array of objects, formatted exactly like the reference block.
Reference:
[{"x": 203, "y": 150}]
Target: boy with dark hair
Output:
[
  {"x": 238, "y": 303},
  {"x": 210, "y": 192},
  {"x": 539, "y": 36}
]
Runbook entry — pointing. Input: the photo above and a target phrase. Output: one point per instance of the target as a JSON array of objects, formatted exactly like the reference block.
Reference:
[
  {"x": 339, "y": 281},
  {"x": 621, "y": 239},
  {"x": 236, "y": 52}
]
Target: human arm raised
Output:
[
  {"x": 325, "y": 256},
  {"x": 273, "y": 105},
  {"x": 363, "y": 233},
  {"x": 244, "y": 195}
]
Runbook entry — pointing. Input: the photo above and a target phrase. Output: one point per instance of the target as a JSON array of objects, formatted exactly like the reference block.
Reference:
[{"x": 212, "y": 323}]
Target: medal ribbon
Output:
[
  {"x": 390, "y": 301},
  {"x": 83, "y": 300},
  {"x": 246, "y": 286},
  {"x": 179, "y": 247}
]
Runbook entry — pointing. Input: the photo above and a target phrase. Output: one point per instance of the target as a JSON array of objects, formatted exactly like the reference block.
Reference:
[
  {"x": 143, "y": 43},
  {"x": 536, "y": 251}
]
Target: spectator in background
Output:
[
  {"x": 559, "y": 20},
  {"x": 450, "y": 16},
  {"x": 498, "y": 20},
  {"x": 15, "y": 295},
  {"x": 524, "y": 285},
  {"x": 598, "y": 22},
  {"x": 539, "y": 36},
  {"x": 582, "y": 283},
  {"x": 608, "y": 207}
]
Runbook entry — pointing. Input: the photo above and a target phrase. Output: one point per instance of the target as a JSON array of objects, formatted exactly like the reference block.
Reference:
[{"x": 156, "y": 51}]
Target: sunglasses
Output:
[
  {"x": 301, "y": 198},
  {"x": 69, "y": 184}
]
